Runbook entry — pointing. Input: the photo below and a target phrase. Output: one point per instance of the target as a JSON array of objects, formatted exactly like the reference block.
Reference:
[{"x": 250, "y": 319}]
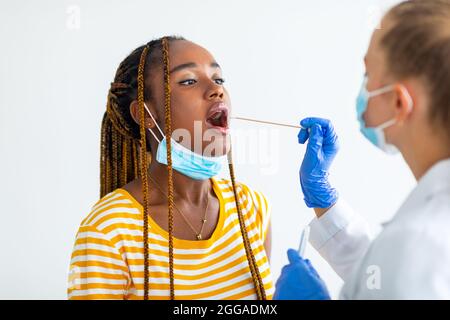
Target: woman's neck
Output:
[
  {"x": 185, "y": 188},
  {"x": 422, "y": 155}
]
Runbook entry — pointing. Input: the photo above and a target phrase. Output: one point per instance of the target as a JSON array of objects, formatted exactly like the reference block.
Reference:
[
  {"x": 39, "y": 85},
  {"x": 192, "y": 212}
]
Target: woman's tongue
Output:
[{"x": 217, "y": 120}]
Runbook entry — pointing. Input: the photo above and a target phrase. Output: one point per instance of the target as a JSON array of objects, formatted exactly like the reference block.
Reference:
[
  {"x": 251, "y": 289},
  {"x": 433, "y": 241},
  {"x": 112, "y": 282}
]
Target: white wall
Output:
[{"x": 282, "y": 60}]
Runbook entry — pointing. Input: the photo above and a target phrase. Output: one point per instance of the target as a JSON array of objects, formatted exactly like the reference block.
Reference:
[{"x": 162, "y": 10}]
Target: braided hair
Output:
[{"x": 125, "y": 154}]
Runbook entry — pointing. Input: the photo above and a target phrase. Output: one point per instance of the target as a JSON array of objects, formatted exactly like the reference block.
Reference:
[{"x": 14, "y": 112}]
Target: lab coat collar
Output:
[{"x": 435, "y": 180}]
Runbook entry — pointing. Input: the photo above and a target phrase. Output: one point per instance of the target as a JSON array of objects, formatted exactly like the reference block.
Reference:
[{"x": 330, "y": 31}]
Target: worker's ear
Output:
[
  {"x": 405, "y": 103},
  {"x": 135, "y": 114}
]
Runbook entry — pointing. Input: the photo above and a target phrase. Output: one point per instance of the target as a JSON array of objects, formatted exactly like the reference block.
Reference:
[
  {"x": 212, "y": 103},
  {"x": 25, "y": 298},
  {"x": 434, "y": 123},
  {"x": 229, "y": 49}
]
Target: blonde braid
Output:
[
  {"x": 168, "y": 128},
  {"x": 254, "y": 270},
  {"x": 143, "y": 167}
]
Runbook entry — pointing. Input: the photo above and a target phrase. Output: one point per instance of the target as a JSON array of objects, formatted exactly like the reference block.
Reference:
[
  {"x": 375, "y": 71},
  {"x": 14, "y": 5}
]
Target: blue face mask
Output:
[
  {"x": 185, "y": 161},
  {"x": 376, "y": 134}
]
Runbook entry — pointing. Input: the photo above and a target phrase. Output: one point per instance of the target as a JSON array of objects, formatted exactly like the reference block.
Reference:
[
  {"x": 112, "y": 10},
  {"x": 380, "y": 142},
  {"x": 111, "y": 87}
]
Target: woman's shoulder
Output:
[
  {"x": 248, "y": 193},
  {"x": 254, "y": 203},
  {"x": 117, "y": 206}
]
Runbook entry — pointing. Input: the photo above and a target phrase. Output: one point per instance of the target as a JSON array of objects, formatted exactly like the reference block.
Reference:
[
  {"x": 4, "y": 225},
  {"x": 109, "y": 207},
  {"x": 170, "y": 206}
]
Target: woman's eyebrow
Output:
[{"x": 191, "y": 65}]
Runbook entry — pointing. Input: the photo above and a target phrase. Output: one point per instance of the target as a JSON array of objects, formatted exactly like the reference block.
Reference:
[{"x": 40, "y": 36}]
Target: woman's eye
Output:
[
  {"x": 219, "y": 81},
  {"x": 188, "y": 82}
]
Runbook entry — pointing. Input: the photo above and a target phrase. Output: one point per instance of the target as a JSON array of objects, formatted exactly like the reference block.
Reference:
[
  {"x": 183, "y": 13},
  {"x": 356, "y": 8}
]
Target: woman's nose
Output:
[{"x": 215, "y": 91}]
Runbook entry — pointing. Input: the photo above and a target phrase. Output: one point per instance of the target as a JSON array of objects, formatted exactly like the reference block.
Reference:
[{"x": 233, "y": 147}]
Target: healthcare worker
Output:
[{"x": 404, "y": 105}]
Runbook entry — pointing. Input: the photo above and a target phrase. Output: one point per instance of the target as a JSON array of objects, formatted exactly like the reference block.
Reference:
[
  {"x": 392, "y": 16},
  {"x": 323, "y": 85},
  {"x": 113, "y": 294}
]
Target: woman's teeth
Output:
[{"x": 216, "y": 119}]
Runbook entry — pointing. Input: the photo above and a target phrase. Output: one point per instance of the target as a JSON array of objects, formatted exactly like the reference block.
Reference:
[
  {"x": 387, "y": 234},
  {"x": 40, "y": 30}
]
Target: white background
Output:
[{"x": 283, "y": 60}]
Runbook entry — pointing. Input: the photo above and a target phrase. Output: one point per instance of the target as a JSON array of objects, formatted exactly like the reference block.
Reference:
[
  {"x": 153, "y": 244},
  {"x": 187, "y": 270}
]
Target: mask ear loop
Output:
[
  {"x": 380, "y": 91},
  {"x": 407, "y": 96},
  {"x": 376, "y": 92},
  {"x": 387, "y": 124},
  {"x": 151, "y": 131}
]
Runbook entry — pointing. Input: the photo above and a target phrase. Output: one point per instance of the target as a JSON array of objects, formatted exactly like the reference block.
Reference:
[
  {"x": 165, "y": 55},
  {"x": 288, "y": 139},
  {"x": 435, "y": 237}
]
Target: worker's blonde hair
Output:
[{"x": 417, "y": 44}]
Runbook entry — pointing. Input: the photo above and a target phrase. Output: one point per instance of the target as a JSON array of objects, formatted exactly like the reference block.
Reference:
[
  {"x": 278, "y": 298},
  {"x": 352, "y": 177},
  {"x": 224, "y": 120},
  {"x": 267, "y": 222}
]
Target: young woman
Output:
[
  {"x": 404, "y": 105},
  {"x": 164, "y": 227}
]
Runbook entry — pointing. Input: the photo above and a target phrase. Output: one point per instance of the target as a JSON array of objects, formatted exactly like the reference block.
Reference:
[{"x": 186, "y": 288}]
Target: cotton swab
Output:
[{"x": 269, "y": 122}]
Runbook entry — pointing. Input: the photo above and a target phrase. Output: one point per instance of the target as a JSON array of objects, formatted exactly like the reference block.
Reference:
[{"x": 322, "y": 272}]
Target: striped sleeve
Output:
[
  {"x": 97, "y": 269},
  {"x": 263, "y": 209},
  {"x": 264, "y": 212}
]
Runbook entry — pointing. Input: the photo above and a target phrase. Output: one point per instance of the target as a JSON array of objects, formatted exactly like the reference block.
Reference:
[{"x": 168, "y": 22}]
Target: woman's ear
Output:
[
  {"x": 404, "y": 102},
  {"x": 134, "y": 111}
]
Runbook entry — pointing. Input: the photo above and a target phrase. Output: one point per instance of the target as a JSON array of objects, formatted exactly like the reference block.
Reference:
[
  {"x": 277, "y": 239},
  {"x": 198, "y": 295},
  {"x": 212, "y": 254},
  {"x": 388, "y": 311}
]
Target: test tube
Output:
[{"x": 303, "y": 241}]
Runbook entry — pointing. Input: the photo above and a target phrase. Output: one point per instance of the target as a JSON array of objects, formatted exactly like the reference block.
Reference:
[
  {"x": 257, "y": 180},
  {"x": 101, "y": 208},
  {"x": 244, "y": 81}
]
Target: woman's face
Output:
[
  {"x": 380, "y": 108},
  {"x": 395, "y": 104},
  {"x": 199, "y": 101}
]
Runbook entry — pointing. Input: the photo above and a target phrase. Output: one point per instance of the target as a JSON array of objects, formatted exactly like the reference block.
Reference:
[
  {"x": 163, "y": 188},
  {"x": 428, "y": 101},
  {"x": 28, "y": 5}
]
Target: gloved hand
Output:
[
  {"x": 322, "y": 147},
  {"x": 300, "y": 281}
]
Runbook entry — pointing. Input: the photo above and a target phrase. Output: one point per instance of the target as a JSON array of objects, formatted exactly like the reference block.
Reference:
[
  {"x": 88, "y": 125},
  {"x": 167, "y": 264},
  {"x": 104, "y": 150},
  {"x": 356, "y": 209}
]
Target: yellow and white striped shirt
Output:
[{"x": 107, "y": 259}]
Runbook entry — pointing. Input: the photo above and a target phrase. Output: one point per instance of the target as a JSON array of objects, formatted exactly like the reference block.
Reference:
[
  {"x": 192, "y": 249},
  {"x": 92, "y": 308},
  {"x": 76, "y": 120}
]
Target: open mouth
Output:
[{"x": 218, "y": 117}]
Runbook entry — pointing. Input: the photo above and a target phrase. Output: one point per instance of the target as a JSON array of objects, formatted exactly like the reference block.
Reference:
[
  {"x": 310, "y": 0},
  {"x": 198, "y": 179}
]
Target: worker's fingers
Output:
[
  {"x": 315, "y": 140},
  {"x": 293, "y": 256},
  {"x": 303, "y": 135},
  {"x": 328, "y": 132},
  {"x": 309, "y": 122},
  {"x": 311, "y": 268}
]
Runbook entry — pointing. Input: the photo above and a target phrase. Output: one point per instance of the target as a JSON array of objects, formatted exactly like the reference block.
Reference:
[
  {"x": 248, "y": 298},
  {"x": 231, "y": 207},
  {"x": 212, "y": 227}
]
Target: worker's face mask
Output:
[
  {"x": 376, "y": 134},
  {"x": 185, "y": 161}
]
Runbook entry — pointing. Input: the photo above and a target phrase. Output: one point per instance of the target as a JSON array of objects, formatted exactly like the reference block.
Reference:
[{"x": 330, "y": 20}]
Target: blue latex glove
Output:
[
  {"x": 300, "y": 281},
  {"x": 322, "y": 147}
]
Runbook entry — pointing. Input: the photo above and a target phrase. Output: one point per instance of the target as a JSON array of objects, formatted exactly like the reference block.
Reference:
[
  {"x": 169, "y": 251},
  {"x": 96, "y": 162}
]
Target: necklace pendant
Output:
[{"x": 199, "y": 237}]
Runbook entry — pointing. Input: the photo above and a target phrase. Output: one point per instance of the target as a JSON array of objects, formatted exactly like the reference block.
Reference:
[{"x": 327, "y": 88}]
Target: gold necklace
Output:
[{"x": 199, "y": 234}]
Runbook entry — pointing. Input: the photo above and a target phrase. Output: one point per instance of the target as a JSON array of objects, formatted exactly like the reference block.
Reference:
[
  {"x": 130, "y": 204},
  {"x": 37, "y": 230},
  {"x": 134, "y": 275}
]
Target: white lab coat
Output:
[{"x": 409, "y": 259}]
